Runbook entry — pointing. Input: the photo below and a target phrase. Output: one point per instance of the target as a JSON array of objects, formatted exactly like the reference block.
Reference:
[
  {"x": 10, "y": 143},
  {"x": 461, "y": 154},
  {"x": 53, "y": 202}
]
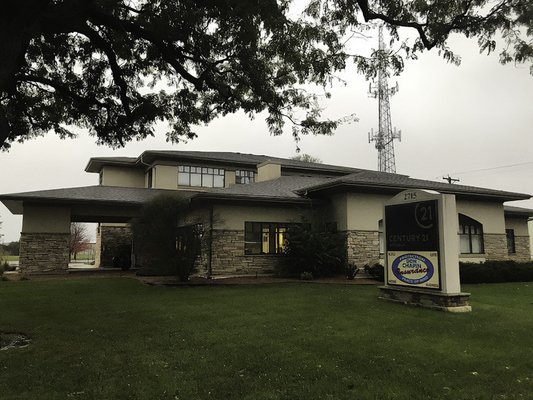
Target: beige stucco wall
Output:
[
  {"x": 124, "y": 177},
  {"x": 518, "y": 224},
  {"x": 364, "y": 210},
  {"x": 233, "y": 217},
  {"x": 229, "y": 178},
  {"x": 165, "y": 177},
  {"x": 46, "y": 219},
  {"x": 488, "y": 214},
  {"x": 267, "y": 171},
  {"x": 337, "y": 211}
]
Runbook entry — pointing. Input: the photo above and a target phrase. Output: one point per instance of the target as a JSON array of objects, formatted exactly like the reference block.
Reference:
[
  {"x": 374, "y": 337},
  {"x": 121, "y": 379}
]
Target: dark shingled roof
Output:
[
  {"x": 238, "y": 159},
  {"x": 283, "y": 188},
  {"x": 388, "y": 182},
  {"x": 90, "y": 194}
]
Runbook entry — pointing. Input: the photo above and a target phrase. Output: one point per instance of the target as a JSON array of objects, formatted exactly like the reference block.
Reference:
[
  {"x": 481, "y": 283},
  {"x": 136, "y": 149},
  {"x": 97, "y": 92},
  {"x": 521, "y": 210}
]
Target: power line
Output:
[{"x": 491, "y": 168}]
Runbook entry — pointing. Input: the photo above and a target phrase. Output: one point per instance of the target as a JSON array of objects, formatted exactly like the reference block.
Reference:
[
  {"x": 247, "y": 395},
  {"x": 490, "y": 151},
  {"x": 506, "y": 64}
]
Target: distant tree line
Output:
[{"x": 10, "y": 249}]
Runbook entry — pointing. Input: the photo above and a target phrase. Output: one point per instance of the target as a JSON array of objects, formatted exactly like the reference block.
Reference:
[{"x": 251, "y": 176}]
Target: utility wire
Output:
[{"x": 490, "y": 169}]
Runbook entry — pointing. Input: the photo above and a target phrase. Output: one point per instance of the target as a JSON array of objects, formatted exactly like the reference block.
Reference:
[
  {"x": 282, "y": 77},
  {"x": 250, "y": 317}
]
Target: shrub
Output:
[
  {"x": 376, "y": 271},
  {"x": 351, "y": 271},
  {"x": 310, "y": 249},
  {"x": 306, "y": 276},
  {"x": 496, "y": 272},
  {"x": 161, "y": 248}
]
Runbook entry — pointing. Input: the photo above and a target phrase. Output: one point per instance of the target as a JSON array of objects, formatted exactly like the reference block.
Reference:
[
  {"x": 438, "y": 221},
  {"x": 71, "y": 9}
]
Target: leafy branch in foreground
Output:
[{"x": 118, "y": 67}]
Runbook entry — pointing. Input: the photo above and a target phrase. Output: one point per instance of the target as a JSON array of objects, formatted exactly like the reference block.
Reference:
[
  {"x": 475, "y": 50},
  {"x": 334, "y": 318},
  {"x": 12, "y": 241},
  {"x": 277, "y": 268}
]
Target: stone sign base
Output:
[{"x": 452, "y": 302}]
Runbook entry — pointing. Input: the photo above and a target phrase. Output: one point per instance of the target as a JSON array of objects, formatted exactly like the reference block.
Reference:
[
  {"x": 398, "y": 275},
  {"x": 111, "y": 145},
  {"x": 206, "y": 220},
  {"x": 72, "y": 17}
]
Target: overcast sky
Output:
[{"x": 474, "y": 122}]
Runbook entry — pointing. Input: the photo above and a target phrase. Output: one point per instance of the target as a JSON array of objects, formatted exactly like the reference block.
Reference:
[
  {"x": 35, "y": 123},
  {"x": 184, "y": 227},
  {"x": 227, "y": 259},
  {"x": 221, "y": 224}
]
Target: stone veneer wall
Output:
[
  {"x": 115, "y": 241},
  {"x": 228, "y": 256},
  {"x": 523, "y": 252},
  {"x": 495, "y": 246},
  {"x": 44, "y": 252},
  {"x": 362, "y": 247}
]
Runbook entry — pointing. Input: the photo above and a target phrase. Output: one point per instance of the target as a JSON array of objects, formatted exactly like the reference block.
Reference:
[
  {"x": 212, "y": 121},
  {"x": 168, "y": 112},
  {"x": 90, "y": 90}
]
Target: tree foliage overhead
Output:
[{"x": 116, "y": 67}]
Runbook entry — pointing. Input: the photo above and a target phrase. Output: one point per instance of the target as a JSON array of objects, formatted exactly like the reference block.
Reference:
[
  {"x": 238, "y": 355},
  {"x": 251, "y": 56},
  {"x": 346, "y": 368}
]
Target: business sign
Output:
[{"x": 412, "y": 243}]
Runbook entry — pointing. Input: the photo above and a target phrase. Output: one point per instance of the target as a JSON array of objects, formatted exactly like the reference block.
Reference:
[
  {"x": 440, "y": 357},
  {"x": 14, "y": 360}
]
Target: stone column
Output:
[
  {"x": 115, "y": 241},
  {"x": 495, "y": 246},
  {"x": 44, "y": 252},
  {"x": 44, "y": 239},
  {"x": 523, "y": 252},
  {"x": 362, "y": 247}
]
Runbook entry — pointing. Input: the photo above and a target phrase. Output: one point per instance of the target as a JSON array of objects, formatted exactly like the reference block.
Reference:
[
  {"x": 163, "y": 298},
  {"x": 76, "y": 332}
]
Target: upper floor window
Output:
[
  {"x": 264, "y": 237},
  {"x": 470, "y": 235},
  {"x": 244, "y": 176},
  {"x": 511, "y": 246},
  {"x": 200, "y": 176}
]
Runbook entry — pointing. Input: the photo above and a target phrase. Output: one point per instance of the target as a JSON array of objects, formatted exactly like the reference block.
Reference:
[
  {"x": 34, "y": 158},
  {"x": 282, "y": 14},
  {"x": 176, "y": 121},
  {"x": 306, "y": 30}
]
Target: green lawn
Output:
[
  {"x": 8, "y": 258},
  {"x": 119, "y": 339}
]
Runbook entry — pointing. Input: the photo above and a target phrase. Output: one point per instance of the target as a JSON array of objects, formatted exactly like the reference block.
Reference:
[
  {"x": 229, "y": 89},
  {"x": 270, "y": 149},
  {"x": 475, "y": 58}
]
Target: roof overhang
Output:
[
  {"x": 90, "y": 203},
  {"x": 338, "y": 187},
  {"x": 96, "y": 164},
  {"x": 519, "y": 212},
  {"x": 206, "y": 198}
]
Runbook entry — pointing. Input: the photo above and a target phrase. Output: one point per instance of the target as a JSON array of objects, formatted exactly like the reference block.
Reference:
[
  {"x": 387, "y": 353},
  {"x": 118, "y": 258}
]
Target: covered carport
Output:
[{"x": 47, "y": 215}]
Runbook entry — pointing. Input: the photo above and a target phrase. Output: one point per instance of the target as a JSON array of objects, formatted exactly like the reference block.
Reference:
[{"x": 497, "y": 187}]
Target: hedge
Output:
[{"x": 496, "y": 272}]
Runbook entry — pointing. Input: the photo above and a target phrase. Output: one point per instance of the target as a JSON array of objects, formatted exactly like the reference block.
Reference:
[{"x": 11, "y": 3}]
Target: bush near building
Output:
[
  {"x": 162, "y": 247},
  {"x": 313, "y": 250},
  {"x": 496, "y": 272}
]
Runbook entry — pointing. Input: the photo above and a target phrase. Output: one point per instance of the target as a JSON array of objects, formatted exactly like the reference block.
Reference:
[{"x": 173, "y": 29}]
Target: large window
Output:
[
  {"x": 470, "y": 235},
  {"x": 264, "y": 237},
  {"x": 200, "y": 176},
  {"x": 244, "y": 176},
  {"x": 511, "y": 247}
]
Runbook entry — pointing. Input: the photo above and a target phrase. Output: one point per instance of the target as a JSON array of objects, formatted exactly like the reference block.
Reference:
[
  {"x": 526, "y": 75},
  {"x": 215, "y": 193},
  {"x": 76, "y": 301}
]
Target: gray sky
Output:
[{"x": 453, "y": 120}]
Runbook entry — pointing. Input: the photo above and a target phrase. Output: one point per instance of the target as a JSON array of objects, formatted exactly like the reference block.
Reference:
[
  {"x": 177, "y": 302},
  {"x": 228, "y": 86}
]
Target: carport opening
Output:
[{"x": 82, "y": 244}]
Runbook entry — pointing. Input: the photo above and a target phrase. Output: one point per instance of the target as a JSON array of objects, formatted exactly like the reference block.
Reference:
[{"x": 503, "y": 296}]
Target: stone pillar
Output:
[
  {"x": 362, "y": 247},
  {"x": 44, "y": 252},
  {"x": 495, "y": 246},
  {"x": 115, "y": 242},
  {"x": 44, "y": 239},
  {"x": 522, "y": 248}
]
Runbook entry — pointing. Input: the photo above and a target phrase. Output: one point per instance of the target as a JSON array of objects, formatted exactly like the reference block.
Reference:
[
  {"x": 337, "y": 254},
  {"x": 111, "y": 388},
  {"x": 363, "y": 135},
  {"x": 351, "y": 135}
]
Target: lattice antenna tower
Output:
[{"x": 385, "y": 135}]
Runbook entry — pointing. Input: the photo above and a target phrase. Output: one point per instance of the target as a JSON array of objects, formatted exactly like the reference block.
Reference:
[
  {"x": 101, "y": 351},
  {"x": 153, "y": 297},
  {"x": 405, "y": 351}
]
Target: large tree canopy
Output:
[{"x": 116, "y": 67}]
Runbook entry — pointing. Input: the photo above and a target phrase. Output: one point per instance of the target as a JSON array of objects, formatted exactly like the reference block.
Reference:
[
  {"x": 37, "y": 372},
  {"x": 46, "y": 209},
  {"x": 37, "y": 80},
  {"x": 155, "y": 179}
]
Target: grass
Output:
[
  {"x": 119, "y": 339},
  {"x": 9, "y": 258}
]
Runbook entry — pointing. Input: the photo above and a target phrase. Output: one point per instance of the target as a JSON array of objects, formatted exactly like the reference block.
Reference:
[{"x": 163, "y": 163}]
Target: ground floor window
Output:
[
  {"x": 264, "y": 237},
  {"x": 511, "y": 247},
  {"x": 470, "y": 235}
]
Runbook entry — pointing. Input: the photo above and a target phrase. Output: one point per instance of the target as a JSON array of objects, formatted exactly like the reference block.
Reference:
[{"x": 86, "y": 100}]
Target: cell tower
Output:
[{"x": 385, "y": 135}]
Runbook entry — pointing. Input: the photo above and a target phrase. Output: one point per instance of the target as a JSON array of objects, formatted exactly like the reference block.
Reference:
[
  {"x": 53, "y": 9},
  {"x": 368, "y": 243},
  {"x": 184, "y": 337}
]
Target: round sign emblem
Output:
[{"x": 413, "y": 269}]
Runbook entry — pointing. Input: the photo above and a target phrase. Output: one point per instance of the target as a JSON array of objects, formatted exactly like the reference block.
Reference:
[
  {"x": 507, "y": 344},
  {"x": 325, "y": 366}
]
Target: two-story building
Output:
[{"x": 245, "y": 202}]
